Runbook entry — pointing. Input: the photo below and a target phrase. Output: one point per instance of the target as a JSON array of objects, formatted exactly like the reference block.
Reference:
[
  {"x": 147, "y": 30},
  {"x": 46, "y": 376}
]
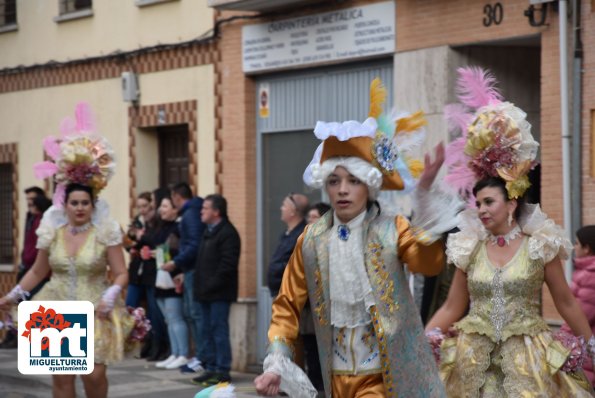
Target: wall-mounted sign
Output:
[
  {"x": 342, "y": 34},
  {"x": 264, "y": 100}
]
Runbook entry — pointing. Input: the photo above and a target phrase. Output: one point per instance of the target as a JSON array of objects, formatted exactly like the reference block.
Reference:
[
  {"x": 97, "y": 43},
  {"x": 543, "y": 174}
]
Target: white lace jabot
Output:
[{"x": 350, "y": 290}]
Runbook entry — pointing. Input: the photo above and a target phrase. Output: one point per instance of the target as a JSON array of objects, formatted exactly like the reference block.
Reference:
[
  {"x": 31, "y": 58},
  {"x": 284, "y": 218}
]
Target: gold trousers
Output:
[{"x": 368, "y": 386}]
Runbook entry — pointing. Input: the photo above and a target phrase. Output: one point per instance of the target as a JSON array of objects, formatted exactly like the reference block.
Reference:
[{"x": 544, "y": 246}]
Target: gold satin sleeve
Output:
[
  {"x": 288, "y": 305},
  {"x": 420, "y": 258}
]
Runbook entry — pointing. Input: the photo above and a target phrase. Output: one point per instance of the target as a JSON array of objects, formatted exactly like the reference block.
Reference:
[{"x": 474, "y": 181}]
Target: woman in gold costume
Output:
[
  {"x": 77, "y": 241},
  {"x": 504, "y": 253},
  {"x": 349, "y": 264}
]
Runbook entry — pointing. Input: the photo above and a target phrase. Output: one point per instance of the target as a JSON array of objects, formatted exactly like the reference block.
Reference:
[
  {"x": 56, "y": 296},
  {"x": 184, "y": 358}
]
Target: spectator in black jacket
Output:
[
  {"x": 293, "y": 213},
  {"x": 216, "y": 287},
  {"x": 191, "y": 230}
]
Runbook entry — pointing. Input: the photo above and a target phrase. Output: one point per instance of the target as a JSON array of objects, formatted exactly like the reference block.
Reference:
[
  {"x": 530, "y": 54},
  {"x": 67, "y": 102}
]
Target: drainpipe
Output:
[
  {"x": 566, "y": 171},
  {"x": 577, "y": 76}
]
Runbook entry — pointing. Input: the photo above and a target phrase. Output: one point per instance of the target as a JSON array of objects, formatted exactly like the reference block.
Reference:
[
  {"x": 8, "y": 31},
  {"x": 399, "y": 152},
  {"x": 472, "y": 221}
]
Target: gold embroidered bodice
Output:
[
  {"x": 80, "y": 277},
  {"x": 504, "y": 301}
]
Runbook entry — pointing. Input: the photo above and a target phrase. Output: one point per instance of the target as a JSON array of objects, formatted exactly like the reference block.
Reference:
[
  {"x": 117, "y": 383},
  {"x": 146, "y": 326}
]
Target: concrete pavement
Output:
[{"x": 132, "y": 378}]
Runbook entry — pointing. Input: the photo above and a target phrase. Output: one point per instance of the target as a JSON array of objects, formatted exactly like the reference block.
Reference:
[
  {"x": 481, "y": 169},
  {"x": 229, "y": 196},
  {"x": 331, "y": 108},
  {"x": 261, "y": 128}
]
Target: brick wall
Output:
[
  {"x": 9, "y": 154},
  {"x": 432, "y": 23},
  {"x": 236, "y": 149}
]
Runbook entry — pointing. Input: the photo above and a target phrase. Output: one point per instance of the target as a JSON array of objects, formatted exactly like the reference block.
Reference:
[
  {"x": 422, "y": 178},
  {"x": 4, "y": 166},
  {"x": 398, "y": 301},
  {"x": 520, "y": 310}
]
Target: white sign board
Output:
[{"x": 342, "y": 34}]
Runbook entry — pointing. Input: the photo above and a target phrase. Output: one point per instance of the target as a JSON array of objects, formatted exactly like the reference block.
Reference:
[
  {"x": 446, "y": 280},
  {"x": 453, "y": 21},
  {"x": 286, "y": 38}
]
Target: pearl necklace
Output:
[
  {"x": 502, "y": 240},
  {"x": 79, "y": 229}
]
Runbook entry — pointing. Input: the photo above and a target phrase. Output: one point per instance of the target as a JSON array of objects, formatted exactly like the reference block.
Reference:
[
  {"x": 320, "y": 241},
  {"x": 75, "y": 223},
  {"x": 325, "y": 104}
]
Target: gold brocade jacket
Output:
[{"x": 408, "y": 367}]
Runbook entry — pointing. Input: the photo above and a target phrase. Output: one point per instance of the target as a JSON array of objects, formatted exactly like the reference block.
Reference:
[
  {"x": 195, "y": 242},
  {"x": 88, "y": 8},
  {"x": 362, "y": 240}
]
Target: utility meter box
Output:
[{"x": 130, "y": 91}]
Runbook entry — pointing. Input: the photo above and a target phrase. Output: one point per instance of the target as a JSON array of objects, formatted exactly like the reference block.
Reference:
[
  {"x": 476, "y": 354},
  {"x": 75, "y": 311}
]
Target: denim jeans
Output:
[
  {"x": 192, "y": 312},
  {"x": 133, "y": 296},
  {"x": 216, "y": 352},
  {"x": 177, "y": 328}
]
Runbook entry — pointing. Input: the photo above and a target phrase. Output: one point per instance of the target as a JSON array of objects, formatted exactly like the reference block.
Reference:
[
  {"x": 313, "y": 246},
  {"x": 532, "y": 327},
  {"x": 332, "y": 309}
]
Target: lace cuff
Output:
[
  {"x": 110, "y": 295},
  {"x": 294, "y": 381},
  {"x": 109, "y": 233},
  {"x": 18, "y": 294},
  {"x": 434, "y": 213}
]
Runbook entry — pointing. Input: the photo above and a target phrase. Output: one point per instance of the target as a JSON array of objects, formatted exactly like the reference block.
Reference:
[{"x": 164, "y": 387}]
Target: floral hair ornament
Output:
[
  {"x": 383, "y": 140},
  {"x": 79, "y": 155},
  {"x": 495, "y": 139}
]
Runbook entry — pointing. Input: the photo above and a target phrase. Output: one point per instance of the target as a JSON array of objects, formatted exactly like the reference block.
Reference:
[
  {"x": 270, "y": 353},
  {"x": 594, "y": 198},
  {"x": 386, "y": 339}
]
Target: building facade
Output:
[
  {"x": 149, "y": 70},
  {"x": 290, "y": 63},
  {"x": 230, "y": 91}
]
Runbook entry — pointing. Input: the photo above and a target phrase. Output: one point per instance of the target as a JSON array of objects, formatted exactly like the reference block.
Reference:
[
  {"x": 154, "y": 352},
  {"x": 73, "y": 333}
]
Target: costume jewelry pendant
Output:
[
  {"x": 343, "y": 232},
  {"x": 76, "y": 229},
  {"x": 502, "y": 240}
]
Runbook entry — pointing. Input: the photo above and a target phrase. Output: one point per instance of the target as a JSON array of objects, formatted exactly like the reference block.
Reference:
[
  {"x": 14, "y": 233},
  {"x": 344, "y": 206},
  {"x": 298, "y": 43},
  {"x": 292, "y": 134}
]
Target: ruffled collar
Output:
[
  {"x": 546, "y": 239},
  {"x": 354, "y": 224},
  {"x": 56, "y": 217},
  {"x": 532, "y": 219}
]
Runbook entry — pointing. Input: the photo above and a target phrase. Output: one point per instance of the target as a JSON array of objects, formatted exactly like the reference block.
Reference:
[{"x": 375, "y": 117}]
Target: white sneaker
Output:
[
  {"x": 165, "y": 362},
  {"x": 179, "y": 361}
]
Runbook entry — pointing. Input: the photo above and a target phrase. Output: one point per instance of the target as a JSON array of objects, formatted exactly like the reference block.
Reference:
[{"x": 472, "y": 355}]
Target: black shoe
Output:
[
  {"x": 204, "y": 376},
  {"x": 216, "y": 379},
  {"x": 146, "y": 349},
  {"x": 159, "y": 353}
]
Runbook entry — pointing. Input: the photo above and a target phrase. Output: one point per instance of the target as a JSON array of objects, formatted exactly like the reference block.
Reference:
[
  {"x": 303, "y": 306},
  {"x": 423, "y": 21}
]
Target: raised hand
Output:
[{"x": 431, "y": 168}]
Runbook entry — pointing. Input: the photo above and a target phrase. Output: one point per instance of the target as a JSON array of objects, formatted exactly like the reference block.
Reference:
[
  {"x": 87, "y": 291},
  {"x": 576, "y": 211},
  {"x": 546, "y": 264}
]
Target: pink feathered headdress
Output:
[
  {"x": 495, "y": 137},
  {"x": 79, "y": 155}
]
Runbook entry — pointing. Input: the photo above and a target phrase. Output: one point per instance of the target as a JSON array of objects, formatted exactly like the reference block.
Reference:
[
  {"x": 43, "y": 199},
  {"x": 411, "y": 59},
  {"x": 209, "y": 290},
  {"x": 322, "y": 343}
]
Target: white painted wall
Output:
[
  {"x": 114, "y": 25},
  {"x": 29, "y": 116}
]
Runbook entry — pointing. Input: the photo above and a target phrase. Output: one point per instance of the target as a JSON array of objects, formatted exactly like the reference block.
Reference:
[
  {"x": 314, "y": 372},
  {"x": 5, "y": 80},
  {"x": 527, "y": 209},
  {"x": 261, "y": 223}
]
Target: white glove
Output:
[
  {"x": 110, "y": 295},
  {"x": 17, "y": 294}
]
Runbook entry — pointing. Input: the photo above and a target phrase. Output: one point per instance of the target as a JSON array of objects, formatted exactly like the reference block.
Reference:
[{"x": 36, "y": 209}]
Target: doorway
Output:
[{"x": 173, "y": 155}]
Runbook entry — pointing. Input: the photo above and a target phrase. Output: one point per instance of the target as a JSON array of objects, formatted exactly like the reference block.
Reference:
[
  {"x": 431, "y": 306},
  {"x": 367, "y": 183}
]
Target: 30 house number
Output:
[{"x": 492, "y": 14}]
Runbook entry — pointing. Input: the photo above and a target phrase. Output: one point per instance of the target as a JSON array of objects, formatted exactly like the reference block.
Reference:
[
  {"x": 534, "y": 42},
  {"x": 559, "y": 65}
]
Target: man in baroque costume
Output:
[{"x": 350, "y": 265}]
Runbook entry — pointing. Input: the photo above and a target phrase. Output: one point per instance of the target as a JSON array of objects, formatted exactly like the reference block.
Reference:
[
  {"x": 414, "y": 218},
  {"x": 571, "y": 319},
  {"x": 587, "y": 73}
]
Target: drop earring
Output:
[{"x": 509, "y": 219}]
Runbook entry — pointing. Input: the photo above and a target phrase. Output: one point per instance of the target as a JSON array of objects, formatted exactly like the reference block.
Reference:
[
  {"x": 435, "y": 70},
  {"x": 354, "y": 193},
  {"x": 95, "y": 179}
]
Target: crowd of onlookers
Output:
[
  {"x": 184, "y": 255},
  {"x": 183, "y": 269}
]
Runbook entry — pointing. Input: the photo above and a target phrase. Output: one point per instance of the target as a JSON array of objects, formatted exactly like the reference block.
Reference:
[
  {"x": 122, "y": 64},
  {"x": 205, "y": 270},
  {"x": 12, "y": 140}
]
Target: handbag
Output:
[{"x": 163, "y": 280}]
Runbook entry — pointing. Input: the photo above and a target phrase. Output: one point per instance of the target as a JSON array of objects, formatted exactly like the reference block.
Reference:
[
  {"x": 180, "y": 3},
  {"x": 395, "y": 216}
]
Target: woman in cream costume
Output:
[
  {"x": 350, "y": 266},
  {"x": 504, "y": 252},
  {"x": 77, "y": 240}
]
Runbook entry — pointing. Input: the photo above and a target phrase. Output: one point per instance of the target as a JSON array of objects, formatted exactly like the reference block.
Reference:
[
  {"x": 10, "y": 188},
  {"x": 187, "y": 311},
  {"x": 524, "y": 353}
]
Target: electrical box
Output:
[{"x": 130, "y": 92}]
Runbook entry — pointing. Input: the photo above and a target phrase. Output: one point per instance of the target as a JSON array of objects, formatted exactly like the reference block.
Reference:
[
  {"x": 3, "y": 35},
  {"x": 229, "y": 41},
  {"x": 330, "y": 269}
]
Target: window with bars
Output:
[
  {"x": 6, "y": 208},
  {"x": 8, "y": 12},
  {"x": 70, "y": 6}
]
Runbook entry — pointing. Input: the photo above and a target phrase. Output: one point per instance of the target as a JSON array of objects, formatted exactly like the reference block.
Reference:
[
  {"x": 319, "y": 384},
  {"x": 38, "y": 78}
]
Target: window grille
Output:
[
  {"x": 6, "y": 208},
  {"x": 68, "y": 6},
  {"x": 8, "y": 12}
]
